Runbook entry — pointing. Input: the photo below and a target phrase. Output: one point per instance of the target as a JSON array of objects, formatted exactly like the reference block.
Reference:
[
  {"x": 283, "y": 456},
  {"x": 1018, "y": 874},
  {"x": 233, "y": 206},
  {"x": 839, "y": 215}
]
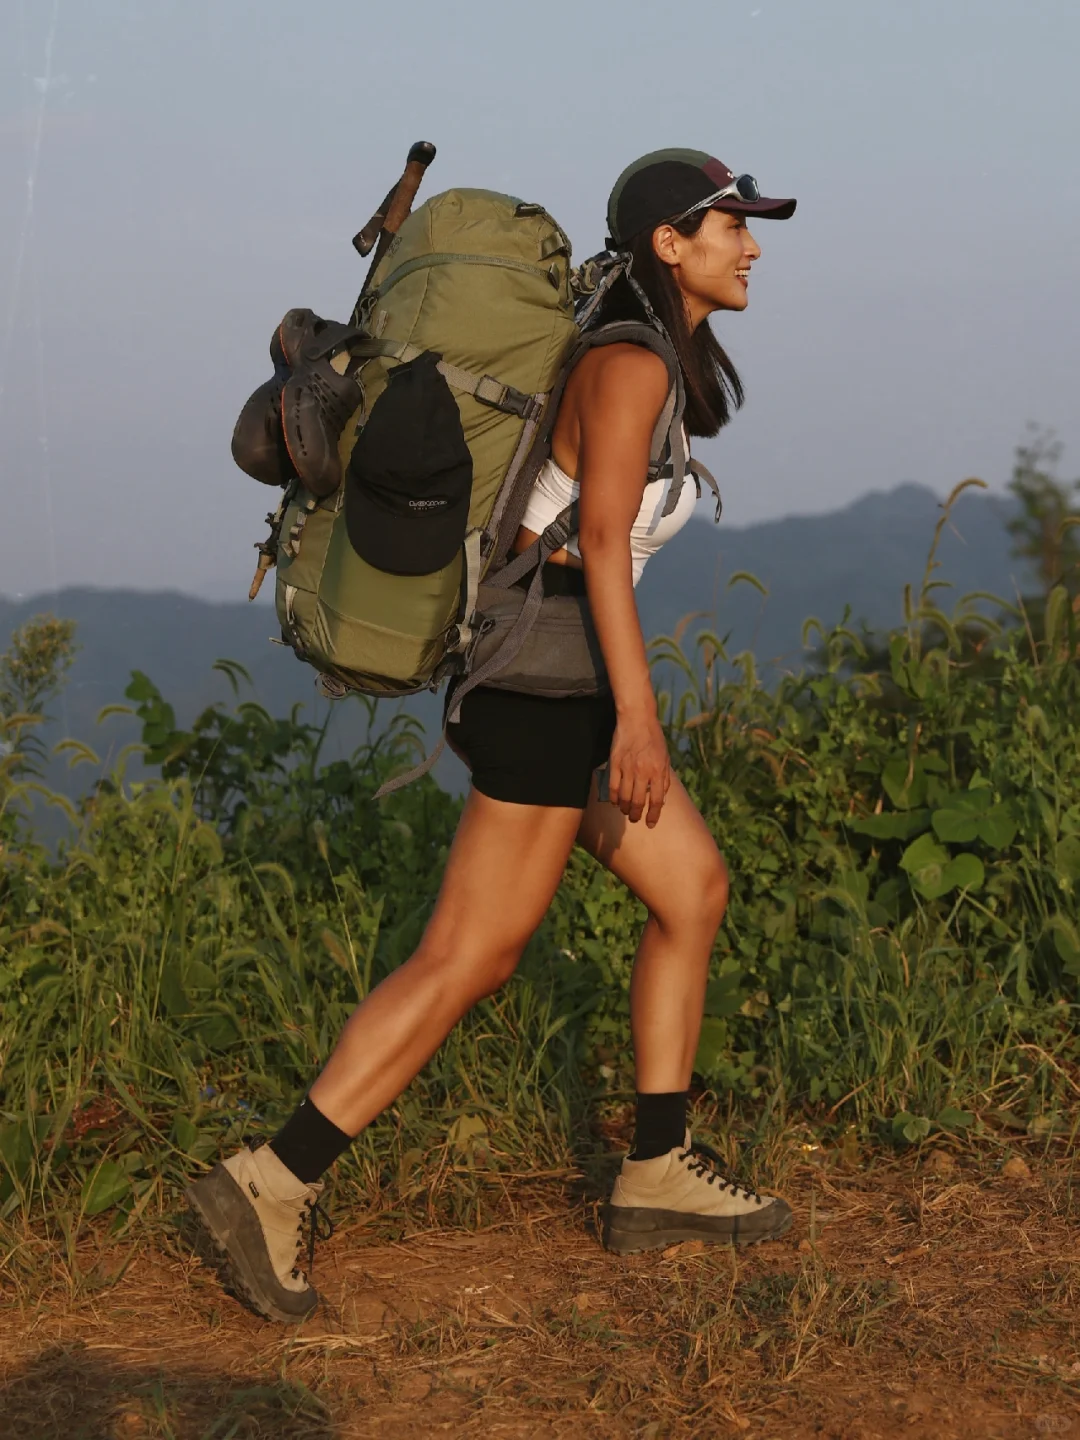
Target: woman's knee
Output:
[
  {"x": 701, "y": 896},
  {"x": 473, "y": 973}
]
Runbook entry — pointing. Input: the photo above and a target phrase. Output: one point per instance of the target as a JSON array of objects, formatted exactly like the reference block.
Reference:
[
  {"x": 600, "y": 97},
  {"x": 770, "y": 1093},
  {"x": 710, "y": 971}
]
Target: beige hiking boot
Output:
[
  {"x": 254, "y": 1210},
  {"x": 684, "y": 1195}
]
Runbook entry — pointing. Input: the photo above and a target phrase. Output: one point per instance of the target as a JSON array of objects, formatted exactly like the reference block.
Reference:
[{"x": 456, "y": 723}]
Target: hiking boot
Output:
[
  {"x": 684, "y": 1195},
  {"x": 258, "y": 442},
  {"x": 254, "y": 1209},
  {"x": 317, "y": 400},
  {"x": 316, "y": 404}
]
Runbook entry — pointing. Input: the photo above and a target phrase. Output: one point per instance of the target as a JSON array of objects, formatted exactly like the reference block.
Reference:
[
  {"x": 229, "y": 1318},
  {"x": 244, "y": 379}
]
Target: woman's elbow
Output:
[{"x": 598, "y": 544}]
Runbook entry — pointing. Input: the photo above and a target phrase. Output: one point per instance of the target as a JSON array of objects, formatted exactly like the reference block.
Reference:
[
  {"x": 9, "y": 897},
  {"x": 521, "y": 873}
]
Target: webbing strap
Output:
[
  {"x": 400, "y": 781},
  {"x": 506, "y": 489},
  {"x": 472, "y": 588},
  {"x": 702, "y": 472},
  {"x": 485, "y": 388},
  {"x": 678, "y": 470},
  {"x": 552, "y": 540},
  {"x": 662, "y": 431},
  {"x": 489, "y": 391}
]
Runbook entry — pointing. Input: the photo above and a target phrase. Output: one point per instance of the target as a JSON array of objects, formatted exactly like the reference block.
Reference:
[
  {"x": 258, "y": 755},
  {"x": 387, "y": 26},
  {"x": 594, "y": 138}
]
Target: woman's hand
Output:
[{"x": 639, "y": 771}]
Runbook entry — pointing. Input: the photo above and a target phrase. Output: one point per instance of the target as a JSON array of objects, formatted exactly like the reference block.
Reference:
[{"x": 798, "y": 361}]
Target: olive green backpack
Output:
[{"x": 484, "y": 281}]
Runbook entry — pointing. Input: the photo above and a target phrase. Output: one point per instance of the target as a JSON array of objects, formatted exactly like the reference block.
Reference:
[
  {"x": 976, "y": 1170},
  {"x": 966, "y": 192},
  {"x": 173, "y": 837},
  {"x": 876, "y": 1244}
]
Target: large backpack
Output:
[{"x": 482, "y": 284}]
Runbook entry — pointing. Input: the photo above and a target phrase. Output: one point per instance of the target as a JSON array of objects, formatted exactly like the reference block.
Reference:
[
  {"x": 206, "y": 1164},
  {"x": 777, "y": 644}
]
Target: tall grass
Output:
[{"x": 901, "y": 953}]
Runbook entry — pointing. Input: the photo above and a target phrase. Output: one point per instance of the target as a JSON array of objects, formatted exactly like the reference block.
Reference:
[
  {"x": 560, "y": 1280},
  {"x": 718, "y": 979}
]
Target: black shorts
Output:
[{"x": 528, "y": 749}]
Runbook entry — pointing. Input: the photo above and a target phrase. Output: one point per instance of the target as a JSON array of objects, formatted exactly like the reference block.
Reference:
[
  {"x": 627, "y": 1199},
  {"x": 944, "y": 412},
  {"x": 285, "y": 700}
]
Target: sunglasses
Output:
[{"x": 743, "y": 187}]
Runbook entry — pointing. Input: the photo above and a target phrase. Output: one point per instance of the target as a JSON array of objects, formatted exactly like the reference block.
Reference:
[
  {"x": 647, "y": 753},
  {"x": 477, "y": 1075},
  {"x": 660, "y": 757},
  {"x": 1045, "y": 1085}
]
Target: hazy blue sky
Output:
[{"x": 174, "y": 174}]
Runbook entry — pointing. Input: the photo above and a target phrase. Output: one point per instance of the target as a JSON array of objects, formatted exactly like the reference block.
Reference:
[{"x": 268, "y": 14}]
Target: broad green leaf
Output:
[
  {"x": 952, "y": 1119},
  {"x": 909, "y": 1127},
  {"x": 185, "y": 1133},
  {"x": 198, "y": 976},
  {"x": 723, "y": 997},
  {"x": 904, "y": 783},
  {"x": 925, "y": 861},
  {"x": 964, "y": 872},
  {"x": 891, "y": 826},
  {"x": 104, "y": 1186},
  {"x": 713, "y": 1046},
  {"x": 141, "y": 687},
  {"x": 1067, "y": 857},
  {"x": 997, "y": 828},
  {"x": 217, "y": 1032},
  {"x": 957, "y": 826},
  {"x": 916, "y": 1130},
  {"x": 1066, "y": 942},
  {"x": 173, "y": 996}
]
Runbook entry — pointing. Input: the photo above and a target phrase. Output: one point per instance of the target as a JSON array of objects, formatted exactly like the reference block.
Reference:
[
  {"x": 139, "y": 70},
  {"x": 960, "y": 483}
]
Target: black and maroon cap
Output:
[{"x": 667, "y": 183}]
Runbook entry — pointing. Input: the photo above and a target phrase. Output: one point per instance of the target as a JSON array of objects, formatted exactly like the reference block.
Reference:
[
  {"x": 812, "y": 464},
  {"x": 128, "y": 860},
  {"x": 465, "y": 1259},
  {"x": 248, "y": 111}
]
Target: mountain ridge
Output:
[{"x": 858, "y": 558}]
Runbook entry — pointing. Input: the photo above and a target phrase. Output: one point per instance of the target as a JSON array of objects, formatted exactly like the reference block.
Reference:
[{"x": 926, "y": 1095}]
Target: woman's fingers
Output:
[
  {"x": 643, "y": 785},
  {"x": 656, "y": 800}
]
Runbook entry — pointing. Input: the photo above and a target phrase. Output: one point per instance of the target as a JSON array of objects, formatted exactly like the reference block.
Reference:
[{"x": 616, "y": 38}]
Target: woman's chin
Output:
[{"x": 736, "y": 297}]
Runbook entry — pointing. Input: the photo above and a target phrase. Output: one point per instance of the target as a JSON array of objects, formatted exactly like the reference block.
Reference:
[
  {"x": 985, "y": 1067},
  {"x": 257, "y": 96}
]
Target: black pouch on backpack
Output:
[{"x": 409, "y": 481}]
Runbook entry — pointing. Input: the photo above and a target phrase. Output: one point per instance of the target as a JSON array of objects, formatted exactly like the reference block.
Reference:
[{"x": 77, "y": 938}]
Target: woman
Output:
[{"x": 536, "y": 790}]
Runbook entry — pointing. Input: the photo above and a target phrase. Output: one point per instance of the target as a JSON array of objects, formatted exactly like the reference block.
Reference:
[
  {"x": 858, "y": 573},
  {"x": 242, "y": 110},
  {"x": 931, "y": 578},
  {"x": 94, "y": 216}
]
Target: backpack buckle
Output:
[{"x": 490, "y": 391}]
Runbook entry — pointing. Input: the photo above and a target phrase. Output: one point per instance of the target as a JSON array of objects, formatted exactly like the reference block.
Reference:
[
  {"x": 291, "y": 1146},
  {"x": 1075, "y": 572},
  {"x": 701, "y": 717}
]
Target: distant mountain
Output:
[{"x": 860, "y": 556}]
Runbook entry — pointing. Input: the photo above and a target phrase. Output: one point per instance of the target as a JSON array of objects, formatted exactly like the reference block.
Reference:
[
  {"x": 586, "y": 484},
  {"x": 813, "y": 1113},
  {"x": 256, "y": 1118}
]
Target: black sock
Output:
[
  {"x": 308, "y": 1143},
  {"x": 660, "y": 1125}
]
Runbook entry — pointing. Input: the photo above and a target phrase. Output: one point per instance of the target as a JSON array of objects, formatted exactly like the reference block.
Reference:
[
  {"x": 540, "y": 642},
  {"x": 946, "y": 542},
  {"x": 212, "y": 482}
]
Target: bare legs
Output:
[
  {"x": 504, "y": 866},
  {"x": 677, "y": 872}
]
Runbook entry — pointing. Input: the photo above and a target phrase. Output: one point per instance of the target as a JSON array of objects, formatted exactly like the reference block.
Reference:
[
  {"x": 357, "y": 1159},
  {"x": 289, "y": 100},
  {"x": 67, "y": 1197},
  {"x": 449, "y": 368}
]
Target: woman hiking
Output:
[{"x": 537, "y": 771}]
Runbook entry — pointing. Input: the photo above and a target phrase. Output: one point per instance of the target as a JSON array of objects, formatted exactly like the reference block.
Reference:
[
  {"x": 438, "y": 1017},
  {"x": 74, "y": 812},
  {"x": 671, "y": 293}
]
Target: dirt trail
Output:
[{"x": 927, "y": 1305}]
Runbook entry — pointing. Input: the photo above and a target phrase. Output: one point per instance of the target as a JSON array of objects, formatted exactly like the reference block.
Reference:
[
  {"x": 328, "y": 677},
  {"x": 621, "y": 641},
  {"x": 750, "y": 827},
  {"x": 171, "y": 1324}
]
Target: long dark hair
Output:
[{"x": 713, "y": 387}]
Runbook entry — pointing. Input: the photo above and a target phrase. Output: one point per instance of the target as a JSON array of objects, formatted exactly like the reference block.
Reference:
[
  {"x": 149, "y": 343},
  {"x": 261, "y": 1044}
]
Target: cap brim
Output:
[
  {"x": 767, "y": 209},
  {"x": 404, "y": 544}
]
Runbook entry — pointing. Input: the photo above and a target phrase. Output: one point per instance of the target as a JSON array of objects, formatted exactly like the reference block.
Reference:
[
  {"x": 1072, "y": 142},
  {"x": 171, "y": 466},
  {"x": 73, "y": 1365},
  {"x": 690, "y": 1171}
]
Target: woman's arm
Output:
[{"x": 619, "y": 401}]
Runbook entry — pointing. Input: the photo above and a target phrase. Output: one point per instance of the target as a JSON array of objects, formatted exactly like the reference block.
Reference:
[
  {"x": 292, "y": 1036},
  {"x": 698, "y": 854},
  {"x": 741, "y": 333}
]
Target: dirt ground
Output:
[{"x": 931, "y": 1298}]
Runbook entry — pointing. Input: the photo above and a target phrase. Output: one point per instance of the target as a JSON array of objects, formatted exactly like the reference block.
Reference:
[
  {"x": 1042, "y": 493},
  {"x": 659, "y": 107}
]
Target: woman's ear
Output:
[{"x": 665, "y": 243}]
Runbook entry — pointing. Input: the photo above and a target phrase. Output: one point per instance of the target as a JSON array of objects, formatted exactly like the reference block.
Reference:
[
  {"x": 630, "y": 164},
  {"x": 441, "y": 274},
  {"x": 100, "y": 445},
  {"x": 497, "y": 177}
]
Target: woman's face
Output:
[{"x": 712, "y": 267}]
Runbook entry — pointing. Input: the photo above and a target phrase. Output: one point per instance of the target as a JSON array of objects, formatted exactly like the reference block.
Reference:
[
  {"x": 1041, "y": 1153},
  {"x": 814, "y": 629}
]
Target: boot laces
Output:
[
  {"x": 319, "y": 1227},
  {"x": 710, "y": 1165}
]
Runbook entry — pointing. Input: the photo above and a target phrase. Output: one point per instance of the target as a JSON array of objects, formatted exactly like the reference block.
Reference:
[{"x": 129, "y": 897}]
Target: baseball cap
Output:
[
  {"x": 667, "y": 183},
  {"x": 409, "y": 481}
]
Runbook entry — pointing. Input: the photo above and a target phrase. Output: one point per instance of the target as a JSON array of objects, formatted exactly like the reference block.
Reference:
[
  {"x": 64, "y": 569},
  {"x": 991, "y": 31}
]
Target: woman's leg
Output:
[
  {"x": 666, "y": 1193},
  {"x": 504, "y": 867},
  {"x": 678, "y": 873}
]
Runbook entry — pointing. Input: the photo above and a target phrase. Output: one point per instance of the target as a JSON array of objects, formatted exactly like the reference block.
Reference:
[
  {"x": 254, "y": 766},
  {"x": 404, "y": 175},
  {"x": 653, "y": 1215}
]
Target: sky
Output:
[{"x": 175, "y": 174}]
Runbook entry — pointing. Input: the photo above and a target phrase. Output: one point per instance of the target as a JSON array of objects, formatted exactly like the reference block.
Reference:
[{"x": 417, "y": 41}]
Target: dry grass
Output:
[{"x": 932, "y": 1297}]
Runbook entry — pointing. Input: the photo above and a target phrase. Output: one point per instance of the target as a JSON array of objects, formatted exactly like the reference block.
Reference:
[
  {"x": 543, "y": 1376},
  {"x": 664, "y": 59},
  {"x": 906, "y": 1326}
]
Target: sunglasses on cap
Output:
[{"x": 743, "y": 187}]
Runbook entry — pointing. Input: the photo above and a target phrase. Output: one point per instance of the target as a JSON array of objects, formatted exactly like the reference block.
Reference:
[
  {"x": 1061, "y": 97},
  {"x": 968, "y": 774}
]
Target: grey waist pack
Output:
[{"x": 560, "y": 656}]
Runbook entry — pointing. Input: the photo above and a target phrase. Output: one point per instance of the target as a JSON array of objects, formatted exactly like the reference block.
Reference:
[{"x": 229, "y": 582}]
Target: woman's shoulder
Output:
[{"x": 631, "y": 373}]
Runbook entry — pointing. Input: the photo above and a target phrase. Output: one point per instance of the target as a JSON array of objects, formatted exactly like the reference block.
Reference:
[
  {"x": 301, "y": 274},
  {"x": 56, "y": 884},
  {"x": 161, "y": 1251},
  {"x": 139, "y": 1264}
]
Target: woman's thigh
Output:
[
  {"x": 675, "y": 869},
  {"x": 503, "y": 868}
]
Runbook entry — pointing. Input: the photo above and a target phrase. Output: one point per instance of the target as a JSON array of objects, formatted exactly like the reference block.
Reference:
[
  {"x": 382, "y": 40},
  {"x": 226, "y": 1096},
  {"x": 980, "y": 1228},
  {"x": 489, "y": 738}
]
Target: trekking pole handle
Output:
[{"x": 393, "y": 210}]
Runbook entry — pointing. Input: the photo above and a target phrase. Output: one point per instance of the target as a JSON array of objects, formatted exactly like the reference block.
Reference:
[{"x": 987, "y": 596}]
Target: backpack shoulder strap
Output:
[{"x": 506, "y": 517}]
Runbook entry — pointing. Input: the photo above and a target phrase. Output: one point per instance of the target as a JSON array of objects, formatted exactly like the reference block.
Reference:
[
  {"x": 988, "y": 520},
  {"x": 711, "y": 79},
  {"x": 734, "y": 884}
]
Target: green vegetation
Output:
[{"x": 901, "y": 954}]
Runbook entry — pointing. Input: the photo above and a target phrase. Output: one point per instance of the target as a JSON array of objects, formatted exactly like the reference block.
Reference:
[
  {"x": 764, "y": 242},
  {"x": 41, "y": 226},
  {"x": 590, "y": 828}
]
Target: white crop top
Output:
[{"x": 554, "y": 490}]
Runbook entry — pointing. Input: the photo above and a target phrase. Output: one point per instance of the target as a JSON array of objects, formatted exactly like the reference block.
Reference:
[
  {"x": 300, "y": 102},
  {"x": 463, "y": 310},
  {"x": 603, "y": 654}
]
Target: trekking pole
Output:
[{"x": 387, "y": 220}]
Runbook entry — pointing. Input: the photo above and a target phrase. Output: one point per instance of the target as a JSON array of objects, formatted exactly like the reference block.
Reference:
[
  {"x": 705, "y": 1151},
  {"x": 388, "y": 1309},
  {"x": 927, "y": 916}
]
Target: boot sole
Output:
[
  {"x": 226, "y": 1218},
  {"x": 631, "y": 1229}
]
